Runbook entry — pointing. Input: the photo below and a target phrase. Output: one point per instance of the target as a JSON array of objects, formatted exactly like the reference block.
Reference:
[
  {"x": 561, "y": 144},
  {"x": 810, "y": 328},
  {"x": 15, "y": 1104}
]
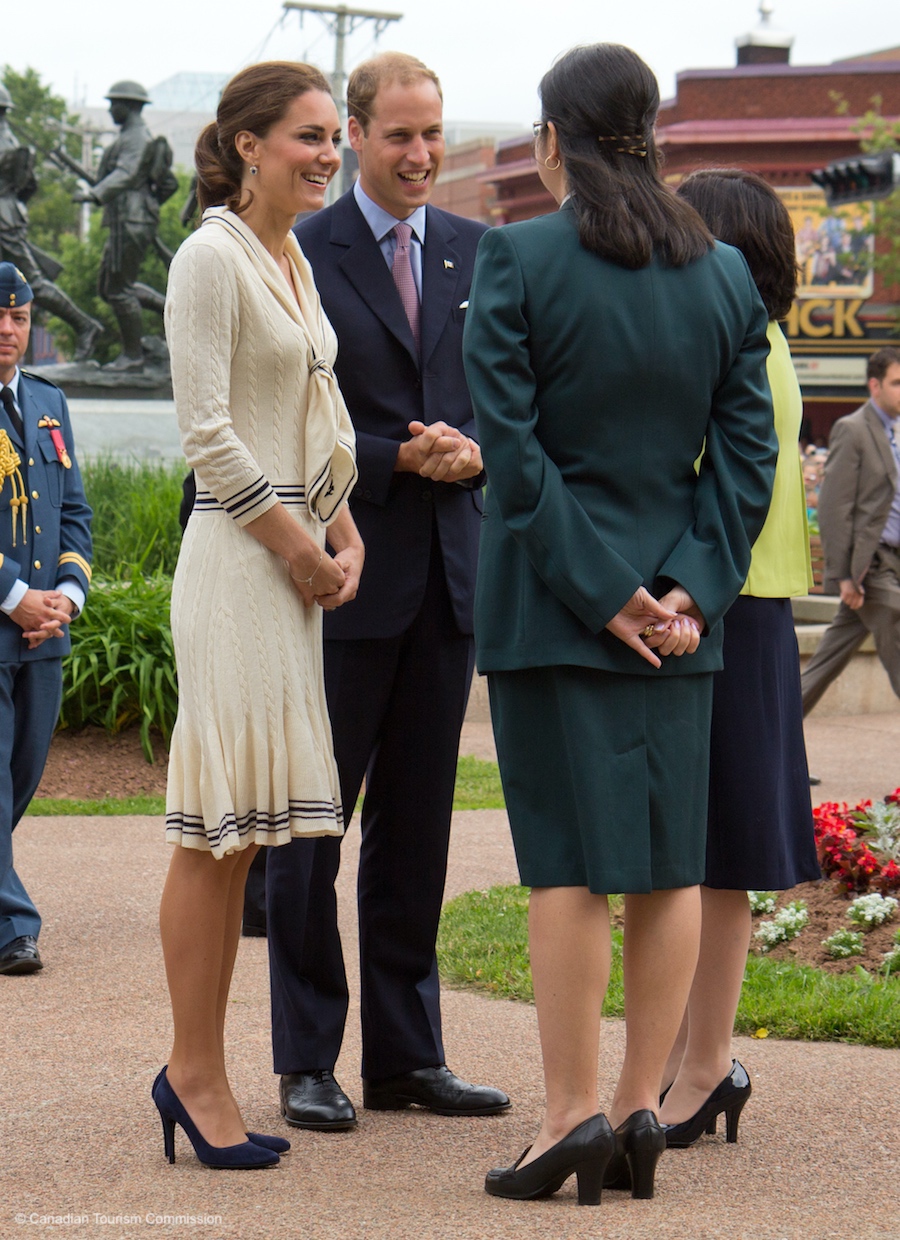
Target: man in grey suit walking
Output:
[{"x": 859, "y": 517}]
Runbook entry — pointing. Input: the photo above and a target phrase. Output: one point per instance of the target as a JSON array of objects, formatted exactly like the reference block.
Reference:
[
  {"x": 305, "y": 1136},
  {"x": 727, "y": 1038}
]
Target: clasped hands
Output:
[
  {"x": 675, "y": 619},
  {"x": 334, "y": 581},
  {"x": 42, "y": 614},
  {"x": 439, "y": 452}
]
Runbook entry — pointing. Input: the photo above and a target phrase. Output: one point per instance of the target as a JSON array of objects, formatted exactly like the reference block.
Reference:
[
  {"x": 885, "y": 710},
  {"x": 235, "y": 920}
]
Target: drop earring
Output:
[{"x": 253, "y": 170}]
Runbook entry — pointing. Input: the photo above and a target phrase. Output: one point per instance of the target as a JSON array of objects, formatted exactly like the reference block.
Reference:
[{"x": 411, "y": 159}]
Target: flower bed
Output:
[{"x": 859, "y": 848}]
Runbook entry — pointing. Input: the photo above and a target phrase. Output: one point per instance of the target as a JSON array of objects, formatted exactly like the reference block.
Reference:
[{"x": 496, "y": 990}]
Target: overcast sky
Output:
[{"x": 489, "y": 54}]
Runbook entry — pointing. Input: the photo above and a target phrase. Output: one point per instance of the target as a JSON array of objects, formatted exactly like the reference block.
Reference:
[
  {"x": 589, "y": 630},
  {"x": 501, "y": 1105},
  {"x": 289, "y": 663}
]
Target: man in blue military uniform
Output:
[{"x": 45, "y": 571}]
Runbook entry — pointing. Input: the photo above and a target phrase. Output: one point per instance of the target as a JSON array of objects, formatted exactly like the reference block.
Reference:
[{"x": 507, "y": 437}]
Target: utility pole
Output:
[{"x": 342, "y": 21}]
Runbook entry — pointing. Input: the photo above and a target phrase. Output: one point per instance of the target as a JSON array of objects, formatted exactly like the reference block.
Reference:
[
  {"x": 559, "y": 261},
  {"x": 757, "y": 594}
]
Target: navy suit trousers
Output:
[{"x": 397, "y": 706}]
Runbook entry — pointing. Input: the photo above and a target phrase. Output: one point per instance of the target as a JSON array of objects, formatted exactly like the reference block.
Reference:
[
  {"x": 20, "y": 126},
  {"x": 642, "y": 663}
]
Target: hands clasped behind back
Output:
[{"x": 675, "y": 619}]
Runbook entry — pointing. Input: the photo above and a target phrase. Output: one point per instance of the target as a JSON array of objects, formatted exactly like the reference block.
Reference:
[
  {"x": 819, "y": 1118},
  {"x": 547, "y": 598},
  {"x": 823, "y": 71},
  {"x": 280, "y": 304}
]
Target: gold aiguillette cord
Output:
[{"x": 9, "y": 468}]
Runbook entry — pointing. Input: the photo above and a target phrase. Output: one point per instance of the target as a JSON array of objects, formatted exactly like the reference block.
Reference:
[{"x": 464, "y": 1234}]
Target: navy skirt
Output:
[
  {"x": 605, "y": 776},
  {"x": 760, "y": 830}
]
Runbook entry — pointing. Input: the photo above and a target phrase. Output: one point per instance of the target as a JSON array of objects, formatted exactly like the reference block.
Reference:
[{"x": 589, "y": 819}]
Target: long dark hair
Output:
[
  {"x": 255, "y": 99},
  {"x": 603, "y": 101},
  {"x": 741, "y": 209}
]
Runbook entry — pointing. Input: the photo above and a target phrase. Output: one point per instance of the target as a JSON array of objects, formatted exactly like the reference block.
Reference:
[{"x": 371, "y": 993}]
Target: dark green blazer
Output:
[{"x": 595, "y": 388}]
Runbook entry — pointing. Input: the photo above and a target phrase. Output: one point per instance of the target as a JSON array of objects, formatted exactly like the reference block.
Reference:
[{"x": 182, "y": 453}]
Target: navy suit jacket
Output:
[
  {"x": 386, "y": 386},
  {"x": 59, "y": 520}
]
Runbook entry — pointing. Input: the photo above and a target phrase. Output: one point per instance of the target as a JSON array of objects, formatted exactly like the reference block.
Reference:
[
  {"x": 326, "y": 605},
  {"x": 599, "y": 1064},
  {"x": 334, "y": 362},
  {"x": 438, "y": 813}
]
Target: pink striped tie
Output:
[{"x": 403, "y": 277}]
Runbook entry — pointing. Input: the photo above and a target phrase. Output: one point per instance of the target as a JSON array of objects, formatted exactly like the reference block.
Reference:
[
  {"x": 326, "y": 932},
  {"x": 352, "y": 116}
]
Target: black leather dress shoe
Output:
[
  {"x": 21, "y": 956},
  {"x": 315, "y": 1100},
  {"x": 438, "y": 1089}
]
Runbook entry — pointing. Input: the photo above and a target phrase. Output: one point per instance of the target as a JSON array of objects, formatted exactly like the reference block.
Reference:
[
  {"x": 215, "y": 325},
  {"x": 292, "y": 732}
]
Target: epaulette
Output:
[{"x": 29, "y": 374}]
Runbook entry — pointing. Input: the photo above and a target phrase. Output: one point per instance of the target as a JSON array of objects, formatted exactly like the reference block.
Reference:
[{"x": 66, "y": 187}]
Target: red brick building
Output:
[{"x": 460, "y": 188}]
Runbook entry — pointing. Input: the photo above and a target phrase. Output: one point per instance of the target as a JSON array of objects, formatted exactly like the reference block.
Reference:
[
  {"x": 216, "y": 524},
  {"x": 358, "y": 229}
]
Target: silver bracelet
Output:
[{"x": 307, "y": 581}]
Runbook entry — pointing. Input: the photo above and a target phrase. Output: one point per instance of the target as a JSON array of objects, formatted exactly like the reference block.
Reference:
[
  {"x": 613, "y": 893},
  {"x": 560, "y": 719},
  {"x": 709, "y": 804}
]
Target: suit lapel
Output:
[
  {"x": 881, "y": 442},
  {"x": 440, "y": 279},
  {"x": 363, "y": 264}
]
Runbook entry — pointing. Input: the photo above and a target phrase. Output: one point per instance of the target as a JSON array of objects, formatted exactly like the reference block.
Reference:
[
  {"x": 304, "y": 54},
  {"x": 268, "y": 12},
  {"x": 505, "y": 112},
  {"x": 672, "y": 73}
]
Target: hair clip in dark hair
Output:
[{"x": 634, "y": 144}]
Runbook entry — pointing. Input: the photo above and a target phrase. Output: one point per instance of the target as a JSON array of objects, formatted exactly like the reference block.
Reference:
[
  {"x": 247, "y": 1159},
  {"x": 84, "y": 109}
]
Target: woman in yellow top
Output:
[{"x": 760, "y": 831}]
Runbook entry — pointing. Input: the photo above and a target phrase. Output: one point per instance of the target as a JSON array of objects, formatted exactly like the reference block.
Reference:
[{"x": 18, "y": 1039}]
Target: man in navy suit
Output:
[
  {"x": 45, "y": 552},
  {"x": 399, "y": 659}
]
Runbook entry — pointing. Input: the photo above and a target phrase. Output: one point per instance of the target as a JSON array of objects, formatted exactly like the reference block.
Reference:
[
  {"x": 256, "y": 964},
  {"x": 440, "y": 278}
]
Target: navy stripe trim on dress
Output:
[
  {"x": 247, "y": 498},
  {"x": 258, "y": 820},
  {"x": 205, "y": 501}
]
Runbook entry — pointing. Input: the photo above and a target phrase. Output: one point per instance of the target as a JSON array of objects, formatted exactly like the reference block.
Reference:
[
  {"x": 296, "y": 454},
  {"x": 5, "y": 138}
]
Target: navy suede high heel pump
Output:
[
  {"x": 278, "y": 1144},
  {"x": 243, "y": 1156}
]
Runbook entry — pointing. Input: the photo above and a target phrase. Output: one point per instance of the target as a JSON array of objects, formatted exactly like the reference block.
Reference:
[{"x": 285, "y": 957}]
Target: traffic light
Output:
[{"x": 857, "y": 180}]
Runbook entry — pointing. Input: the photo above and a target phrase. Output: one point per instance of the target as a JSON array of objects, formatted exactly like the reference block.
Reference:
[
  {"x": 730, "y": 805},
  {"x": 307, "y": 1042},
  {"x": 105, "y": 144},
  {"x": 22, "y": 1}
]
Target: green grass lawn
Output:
[
  {"x": 483, "y": 944},
  {"x": 477, "y": 787},
  {"x": 55, "y": 807}
]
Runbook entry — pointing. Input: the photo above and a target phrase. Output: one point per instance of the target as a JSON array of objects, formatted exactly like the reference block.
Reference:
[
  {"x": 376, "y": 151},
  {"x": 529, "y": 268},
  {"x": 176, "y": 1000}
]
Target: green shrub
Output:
[
  {"x": 122, "y": 667},
  {"x": 135, "y": 507}
]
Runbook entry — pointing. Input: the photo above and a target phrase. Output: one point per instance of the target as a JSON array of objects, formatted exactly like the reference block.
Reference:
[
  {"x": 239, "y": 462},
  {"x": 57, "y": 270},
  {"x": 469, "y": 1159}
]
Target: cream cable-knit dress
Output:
[{"x": 261, "y": 420}]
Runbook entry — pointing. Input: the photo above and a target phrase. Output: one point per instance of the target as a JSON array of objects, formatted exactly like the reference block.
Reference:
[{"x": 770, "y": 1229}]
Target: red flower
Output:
[{"x": 843, "y": 852}]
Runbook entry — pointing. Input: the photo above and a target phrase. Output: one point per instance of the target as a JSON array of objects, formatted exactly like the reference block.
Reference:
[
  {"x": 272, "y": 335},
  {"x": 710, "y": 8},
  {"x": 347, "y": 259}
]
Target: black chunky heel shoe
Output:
[
  {"x": 585, "y": 1152},
  {"x": 729, "y": 1096},
  {"x": 640, "y": 1141}
]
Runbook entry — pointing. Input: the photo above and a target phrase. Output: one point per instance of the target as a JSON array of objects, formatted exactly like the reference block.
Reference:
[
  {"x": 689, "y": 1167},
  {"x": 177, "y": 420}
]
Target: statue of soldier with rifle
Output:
[
  {"x": 17, "y": 184},
  {"x": 135, "y": 176}
]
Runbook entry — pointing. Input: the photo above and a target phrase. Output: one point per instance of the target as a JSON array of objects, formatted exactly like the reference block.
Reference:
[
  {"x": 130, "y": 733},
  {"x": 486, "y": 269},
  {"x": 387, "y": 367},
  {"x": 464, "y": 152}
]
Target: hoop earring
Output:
[
  {"x": 558, "y": 164},
  {"x": 253, "y": 170}
]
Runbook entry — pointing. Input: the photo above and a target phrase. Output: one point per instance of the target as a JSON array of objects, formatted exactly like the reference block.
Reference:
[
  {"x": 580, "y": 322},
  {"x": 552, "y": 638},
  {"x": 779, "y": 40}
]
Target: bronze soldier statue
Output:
[
  {"x": 135, "y": 176},
  {"x": 17, "y": 184}
]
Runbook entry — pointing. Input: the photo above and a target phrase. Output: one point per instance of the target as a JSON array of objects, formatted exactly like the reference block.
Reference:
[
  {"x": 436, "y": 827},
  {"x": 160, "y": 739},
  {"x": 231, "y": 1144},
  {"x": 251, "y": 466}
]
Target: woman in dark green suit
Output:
[{"x": 607, "y": 346}]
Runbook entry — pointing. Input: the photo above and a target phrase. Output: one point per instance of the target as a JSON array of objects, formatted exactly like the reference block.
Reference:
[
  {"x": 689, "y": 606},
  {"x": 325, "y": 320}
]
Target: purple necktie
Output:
[{"x": 403, "y": 277}]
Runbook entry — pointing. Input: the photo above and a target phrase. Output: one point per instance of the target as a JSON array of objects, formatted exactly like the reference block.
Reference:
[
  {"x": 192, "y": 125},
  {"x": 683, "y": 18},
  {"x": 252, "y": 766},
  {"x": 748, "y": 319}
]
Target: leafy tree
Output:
[
  {"x": 38, "y": 120},
  {"x": 876, "y": 134}
]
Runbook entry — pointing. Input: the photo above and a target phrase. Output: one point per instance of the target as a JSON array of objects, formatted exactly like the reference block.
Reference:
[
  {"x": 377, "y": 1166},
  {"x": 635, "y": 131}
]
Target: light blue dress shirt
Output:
[
  {"x": 381, "y": 222},
  {"x": 891, "y": 531}
]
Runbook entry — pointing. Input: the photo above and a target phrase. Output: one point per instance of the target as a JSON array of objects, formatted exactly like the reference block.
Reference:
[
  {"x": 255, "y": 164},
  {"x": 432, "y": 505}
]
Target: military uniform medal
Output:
[{"x": 58, "y": 442}]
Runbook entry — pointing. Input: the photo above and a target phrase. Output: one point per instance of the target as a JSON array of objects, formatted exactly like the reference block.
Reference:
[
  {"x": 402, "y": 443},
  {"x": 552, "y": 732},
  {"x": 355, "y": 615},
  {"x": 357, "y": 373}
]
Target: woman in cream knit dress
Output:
[{"x": 267, "y": 433}]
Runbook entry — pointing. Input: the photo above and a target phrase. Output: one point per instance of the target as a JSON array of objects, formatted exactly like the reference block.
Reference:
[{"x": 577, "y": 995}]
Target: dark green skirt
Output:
[{"x": 605, "y": 775}]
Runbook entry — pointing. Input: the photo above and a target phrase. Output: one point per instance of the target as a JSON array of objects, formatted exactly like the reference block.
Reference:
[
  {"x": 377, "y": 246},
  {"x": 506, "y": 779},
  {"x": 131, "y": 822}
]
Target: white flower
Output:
[
  {"x": 762, "y": 901},
  {"x": 786, "y": 925},
  {"x": 844, "y": 943},
  {"x": 872, "y": 910}
]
